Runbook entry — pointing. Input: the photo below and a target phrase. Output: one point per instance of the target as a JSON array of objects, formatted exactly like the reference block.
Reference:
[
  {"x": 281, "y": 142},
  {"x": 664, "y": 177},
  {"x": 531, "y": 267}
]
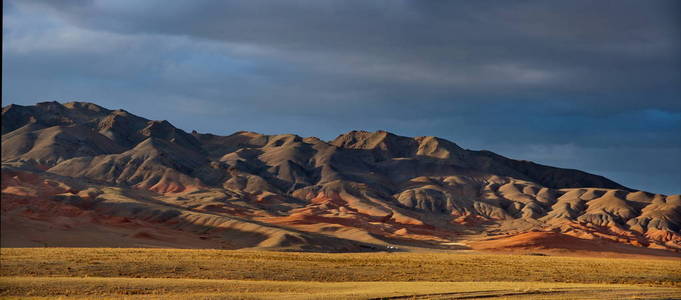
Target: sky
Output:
[{"x": 589, "y": 85}]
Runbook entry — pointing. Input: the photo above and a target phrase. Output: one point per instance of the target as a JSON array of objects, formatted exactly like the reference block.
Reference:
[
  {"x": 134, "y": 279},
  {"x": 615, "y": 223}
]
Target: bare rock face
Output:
[{"x": 109, "y": 172}]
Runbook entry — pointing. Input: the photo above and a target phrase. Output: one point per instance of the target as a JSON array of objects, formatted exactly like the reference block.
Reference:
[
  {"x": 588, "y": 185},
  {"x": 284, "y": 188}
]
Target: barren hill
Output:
[{"x": 77, "y": 174}]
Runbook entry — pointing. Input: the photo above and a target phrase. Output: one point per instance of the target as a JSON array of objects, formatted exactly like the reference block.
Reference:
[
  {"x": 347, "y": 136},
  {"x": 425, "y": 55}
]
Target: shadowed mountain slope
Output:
[{"x": 360, "y": 191}]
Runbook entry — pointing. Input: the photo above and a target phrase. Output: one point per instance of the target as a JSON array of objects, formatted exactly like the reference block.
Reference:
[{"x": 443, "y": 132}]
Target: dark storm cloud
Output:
[
  {"x": 534, "y": 48},
  {"x": 560, "y": 82}
]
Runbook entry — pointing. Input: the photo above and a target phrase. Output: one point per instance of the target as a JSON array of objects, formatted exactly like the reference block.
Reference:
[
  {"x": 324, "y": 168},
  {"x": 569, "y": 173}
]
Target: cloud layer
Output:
[{"x": 593, "y": 85}]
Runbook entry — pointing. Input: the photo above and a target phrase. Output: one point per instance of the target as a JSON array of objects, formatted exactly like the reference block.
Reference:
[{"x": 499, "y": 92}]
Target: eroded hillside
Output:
[{"x": 80, "y": 174}]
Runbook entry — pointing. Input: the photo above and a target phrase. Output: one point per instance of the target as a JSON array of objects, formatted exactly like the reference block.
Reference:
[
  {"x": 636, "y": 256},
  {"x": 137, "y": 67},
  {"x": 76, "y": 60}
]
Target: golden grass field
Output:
[{"x": 104, "y": 273}]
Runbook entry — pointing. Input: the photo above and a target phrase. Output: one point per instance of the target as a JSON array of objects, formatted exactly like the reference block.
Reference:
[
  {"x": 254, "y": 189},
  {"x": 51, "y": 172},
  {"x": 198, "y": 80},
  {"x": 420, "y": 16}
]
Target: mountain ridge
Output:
[{"x": 365, "y": 188}]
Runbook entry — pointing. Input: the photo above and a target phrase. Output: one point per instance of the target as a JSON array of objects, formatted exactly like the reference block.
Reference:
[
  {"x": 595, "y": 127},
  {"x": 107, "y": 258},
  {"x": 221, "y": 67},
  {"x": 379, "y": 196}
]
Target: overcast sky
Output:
[{"x": 591, "y": 85}]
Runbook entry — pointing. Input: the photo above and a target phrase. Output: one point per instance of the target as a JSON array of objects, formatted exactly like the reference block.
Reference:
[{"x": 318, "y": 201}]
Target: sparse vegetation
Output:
[
  {"x": 154, "y": 288},
  {"x": 262, "y": 265},
  {"x": 90, "y": 272}
]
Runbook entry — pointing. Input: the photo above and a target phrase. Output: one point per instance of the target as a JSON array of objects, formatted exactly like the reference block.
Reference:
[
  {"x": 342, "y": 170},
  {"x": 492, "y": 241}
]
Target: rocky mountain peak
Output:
[{"x": 379, "y": 186}]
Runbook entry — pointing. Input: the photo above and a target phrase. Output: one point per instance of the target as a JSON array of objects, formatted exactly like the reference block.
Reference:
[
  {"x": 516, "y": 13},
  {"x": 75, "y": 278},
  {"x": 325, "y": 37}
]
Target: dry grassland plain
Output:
[{"x": 118, "y": 273}]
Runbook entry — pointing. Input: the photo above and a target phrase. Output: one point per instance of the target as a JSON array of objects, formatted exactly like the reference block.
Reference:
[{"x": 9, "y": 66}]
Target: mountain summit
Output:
[{"x": 80, "y": 174}]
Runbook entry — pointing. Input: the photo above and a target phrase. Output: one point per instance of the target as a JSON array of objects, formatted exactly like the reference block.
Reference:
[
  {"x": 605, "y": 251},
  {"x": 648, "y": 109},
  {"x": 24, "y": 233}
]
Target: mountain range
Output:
[{"x": 78, "y": 174}]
